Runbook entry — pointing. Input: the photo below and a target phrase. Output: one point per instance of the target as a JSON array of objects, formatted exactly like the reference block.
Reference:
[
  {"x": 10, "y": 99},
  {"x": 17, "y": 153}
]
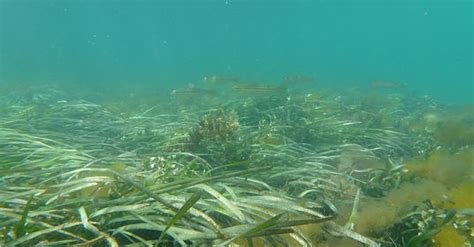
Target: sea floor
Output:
[{"x": 252, "y": 166}]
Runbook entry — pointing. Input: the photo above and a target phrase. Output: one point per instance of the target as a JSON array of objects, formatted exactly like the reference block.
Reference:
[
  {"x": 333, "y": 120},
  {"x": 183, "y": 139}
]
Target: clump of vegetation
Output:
[
  {"x": 216, "y": 126},
  {"x": 217, "y": 135}
]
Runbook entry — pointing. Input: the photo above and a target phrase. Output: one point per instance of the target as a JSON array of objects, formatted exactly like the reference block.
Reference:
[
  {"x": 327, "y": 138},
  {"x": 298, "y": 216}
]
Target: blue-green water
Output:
[{"x": 426, "y": 44}]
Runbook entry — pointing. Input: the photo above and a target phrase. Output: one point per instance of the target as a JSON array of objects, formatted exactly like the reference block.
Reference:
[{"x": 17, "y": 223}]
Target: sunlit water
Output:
[{"x": 426, "y": 44}]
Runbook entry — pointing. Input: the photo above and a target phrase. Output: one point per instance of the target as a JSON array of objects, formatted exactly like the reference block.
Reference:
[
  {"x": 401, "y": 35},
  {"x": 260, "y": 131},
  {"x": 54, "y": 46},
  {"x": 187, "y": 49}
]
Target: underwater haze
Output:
[{"x": 426, "y": 44}]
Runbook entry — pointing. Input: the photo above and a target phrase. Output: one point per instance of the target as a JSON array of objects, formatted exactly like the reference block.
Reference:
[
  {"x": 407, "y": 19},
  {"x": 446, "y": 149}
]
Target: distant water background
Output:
[{"x": 168, "y": 44}]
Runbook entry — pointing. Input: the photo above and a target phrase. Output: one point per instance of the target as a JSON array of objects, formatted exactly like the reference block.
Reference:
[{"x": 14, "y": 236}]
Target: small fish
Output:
[
  {"x": 388, "y": 84},
  {"x": 259, "y": 89},
  {"x": 190, "y": 91},
  {"x": 291, "y": 79},
  {"x": 220, "y": 79}
]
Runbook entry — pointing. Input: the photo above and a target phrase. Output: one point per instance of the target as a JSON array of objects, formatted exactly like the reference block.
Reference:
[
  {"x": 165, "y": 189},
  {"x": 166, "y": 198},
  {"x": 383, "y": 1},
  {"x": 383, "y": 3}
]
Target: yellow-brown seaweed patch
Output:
[
  {"x": 378, "y": 214},
  {"x": 444, "y": 167}
]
